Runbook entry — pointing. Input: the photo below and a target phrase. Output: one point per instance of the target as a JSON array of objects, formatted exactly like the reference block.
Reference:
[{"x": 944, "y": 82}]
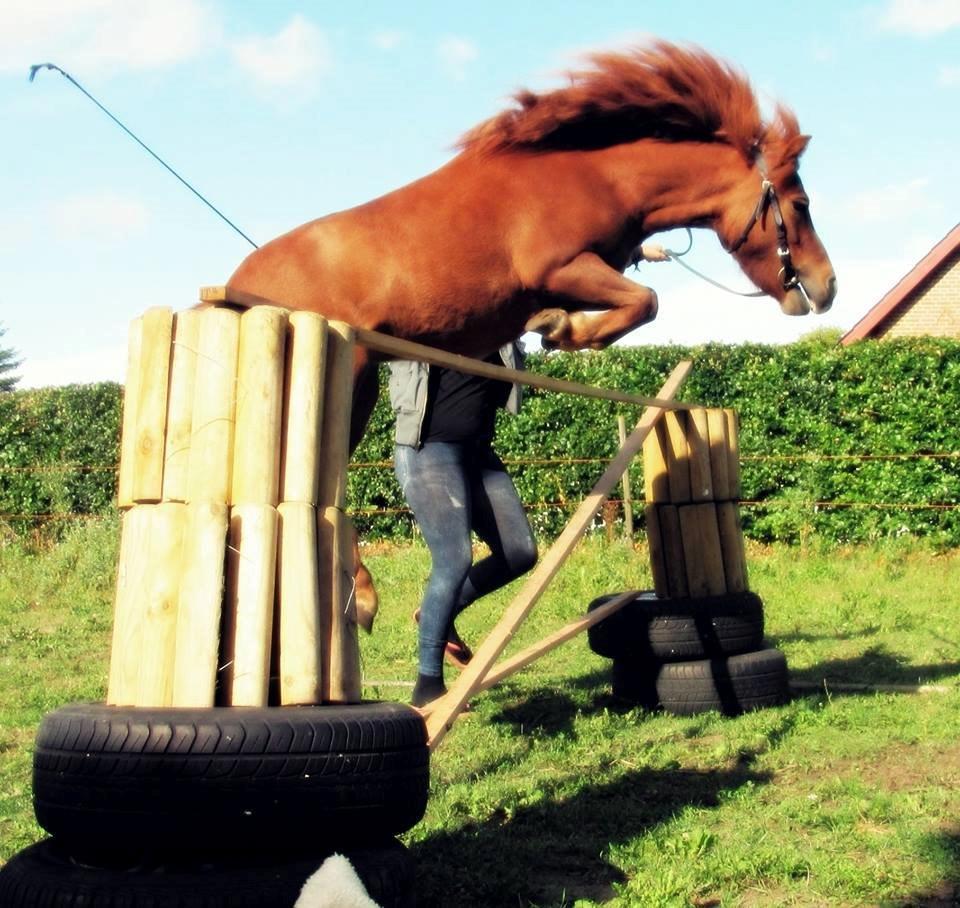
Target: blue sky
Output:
[{"x": 281, "y": 112}]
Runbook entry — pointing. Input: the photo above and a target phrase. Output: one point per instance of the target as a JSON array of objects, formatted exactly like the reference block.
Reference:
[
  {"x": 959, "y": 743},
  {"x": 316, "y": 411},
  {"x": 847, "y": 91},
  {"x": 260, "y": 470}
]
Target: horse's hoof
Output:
[
  {"x": 367, "y": 607},
  {"x": 553, "y": 324}
]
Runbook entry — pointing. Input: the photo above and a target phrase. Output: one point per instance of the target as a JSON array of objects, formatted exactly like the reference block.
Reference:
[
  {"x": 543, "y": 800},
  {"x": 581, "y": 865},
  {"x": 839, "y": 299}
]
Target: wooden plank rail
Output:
[
  {"x": 441, "y": 719},
  {"x": 398, "y": 348},
  {"x": 533, "y": 652}
]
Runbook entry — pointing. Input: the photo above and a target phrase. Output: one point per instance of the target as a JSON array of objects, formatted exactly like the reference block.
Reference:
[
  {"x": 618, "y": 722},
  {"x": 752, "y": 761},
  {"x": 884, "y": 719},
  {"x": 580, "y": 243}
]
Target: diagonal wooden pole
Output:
[
  {"x": 533, "y": 652},
  {"x": 398, "y": 348},
  {"x": 445, "y": 712}
]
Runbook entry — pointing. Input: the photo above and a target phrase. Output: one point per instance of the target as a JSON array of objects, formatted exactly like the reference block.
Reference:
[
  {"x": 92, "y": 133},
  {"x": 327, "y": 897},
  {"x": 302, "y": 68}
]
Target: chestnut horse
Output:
[{"x": 532, "y": 224}]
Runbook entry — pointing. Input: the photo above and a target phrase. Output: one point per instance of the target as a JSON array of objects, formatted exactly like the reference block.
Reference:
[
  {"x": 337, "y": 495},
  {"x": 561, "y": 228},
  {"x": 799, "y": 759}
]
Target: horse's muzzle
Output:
[{"x": 810, "y": 295}]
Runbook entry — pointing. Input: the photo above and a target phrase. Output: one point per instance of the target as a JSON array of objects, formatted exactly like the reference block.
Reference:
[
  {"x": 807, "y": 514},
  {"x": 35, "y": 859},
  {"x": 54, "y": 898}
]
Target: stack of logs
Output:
[
  {"x": 235, "y": 577},
  {"x": 691, "y": 465}
]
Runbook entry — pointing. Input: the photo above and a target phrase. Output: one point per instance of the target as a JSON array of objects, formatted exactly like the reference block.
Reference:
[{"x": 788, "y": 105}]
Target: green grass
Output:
[{"x": 551, "y": 793}]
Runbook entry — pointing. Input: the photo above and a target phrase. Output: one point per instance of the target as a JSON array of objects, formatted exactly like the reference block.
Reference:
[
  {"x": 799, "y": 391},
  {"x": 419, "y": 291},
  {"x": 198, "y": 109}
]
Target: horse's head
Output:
[{"x": 768, "y": 229}]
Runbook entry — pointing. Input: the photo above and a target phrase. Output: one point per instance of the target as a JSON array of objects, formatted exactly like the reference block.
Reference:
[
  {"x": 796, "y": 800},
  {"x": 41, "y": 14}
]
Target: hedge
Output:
[
  {"x": 800, "y": 405},
  {"x": 59, "y": 450}
]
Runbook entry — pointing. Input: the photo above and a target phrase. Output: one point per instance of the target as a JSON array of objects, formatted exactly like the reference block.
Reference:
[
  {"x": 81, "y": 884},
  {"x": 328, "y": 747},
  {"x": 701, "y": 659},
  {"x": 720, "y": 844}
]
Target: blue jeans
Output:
[{"x": 453, "y": 489}]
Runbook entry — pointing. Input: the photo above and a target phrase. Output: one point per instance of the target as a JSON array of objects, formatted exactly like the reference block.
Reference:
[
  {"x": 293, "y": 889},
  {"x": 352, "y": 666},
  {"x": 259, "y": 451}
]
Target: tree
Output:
[
  {"x": 821, "y": 337},
  {"x": 8, "y": 362}
]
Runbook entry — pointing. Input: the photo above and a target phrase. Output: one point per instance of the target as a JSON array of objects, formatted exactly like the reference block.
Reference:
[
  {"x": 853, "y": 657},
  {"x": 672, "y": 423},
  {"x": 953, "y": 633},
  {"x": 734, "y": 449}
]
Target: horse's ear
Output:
[{"x": 795, "y": 147}]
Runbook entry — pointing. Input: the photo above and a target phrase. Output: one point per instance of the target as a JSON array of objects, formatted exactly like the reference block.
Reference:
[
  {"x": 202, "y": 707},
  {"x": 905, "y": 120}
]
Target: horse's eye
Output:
[{"x": 801, "y": 206}]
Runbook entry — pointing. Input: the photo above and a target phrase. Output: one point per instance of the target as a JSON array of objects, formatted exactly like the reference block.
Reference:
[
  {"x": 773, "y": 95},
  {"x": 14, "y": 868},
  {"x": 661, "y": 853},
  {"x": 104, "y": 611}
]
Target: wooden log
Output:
[
  {"x": 658, "y": 564},
  {"x": 128, "y": 607},
  {"x": 299, "y": 643},
  {"x": 731, "y": 545},
  {"x": 341, "y": 645},
  {"x": 719, "y": 469},
  {"x": 701, "y": 550},
  {"x": 656, "y": 481},
  {"x": 128, "y": 433},
  {"x": 443, "y": 717},
  {"x": 397, "y": 348},
  {"x": 200, "y": 604},
  {"x": 152, "y": 388},
  {"x": 698, "y": 444},
  {"x": 248, "y": 622},
  {"x": 183, "y": 369},
  {"x": 214, "y": 406},
  {"x": 303, "y": 407},
  {"x": 678, "y": 457},
  {"x": 160, "y": 593},
  {"x": 733, "y": 453},
  {"x": 338, "y": 401},
  {"x": 673, "y": 555},
  {"x": 260, "y": 367}
]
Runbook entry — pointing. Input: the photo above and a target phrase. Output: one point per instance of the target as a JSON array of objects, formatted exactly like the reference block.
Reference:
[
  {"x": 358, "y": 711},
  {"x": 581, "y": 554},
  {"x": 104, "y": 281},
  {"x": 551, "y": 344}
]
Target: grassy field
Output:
[{"x": 551, "y": 793}]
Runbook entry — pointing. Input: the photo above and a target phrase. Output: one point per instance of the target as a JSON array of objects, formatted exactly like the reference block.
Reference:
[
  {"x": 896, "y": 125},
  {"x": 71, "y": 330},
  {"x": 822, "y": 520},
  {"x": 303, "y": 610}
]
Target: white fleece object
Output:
[{"x": 334, "y": 885}]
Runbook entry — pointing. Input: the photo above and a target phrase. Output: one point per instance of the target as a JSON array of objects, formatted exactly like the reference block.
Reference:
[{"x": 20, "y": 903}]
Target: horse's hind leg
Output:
[
  {"x": 590, "y": 283},
  {"x": 366, "y": 388}
]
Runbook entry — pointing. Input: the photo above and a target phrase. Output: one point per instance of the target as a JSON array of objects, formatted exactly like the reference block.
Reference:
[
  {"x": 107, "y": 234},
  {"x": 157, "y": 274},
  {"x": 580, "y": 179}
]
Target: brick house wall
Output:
[{"x": 934, "y": 310}]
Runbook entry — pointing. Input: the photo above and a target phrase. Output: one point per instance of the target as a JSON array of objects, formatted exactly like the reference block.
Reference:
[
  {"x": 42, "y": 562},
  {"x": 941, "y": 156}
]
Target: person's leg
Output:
[
  {"x": 435, "y": 487},
  {"x": 500, "y": 521}
]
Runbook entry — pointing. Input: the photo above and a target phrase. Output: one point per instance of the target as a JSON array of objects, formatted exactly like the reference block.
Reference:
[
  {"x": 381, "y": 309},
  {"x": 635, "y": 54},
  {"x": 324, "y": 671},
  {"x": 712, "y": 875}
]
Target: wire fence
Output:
[{"x": 811, "y": 504}]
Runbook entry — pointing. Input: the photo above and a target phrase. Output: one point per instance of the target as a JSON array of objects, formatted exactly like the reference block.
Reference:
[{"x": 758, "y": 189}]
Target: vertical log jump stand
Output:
[
  {"x": 233, "y": 734},
  {"x": 235, "y": 570},
  {"x": 696, "y": 642}
]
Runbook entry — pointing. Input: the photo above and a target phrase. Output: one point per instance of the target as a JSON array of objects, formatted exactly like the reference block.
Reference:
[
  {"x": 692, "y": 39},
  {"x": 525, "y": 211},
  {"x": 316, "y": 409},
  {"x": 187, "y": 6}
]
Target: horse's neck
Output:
[{"x": 675, "y": 184}]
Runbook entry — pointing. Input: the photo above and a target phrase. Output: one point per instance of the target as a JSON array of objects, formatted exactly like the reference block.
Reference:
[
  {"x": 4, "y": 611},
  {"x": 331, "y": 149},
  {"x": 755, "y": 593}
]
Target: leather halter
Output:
[{"x": 789, "y": 278}]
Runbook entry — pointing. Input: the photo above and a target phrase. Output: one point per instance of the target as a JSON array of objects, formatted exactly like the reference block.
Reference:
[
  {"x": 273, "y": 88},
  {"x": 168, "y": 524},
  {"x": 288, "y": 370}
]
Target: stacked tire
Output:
[
  {"x": 219, "y": 807},
  {"x": 691, "y": 655}
]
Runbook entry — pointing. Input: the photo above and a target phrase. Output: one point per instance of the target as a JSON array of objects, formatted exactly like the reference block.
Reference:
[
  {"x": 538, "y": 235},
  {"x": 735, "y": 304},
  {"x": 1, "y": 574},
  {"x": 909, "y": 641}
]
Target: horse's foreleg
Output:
[
  {"x": 588, "y": 282},
  {"x": 366, "y": 388}
]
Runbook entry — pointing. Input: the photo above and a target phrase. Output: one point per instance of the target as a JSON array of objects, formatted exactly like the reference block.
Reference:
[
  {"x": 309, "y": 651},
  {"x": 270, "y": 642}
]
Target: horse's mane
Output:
[{"x": 662, "y": 91}]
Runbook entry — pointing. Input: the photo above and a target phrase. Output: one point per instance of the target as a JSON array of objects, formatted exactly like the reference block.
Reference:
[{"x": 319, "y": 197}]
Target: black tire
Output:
[
  {"x": 731, "y": 686},
  {"x": 46, "y": 875},
  {"x": 679, "y": 630},
  {"x": 230, "y": 778},
  {"x": 635, "y": 683}
]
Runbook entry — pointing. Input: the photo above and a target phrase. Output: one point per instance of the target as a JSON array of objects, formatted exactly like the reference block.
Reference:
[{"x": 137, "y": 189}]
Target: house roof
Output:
[{"x": 905, "y": 288}]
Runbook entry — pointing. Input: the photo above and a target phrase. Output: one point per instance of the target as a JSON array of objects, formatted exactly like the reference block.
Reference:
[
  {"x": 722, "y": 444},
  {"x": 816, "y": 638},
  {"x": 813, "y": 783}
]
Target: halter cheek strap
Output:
[{"x": 789, "y": 279}]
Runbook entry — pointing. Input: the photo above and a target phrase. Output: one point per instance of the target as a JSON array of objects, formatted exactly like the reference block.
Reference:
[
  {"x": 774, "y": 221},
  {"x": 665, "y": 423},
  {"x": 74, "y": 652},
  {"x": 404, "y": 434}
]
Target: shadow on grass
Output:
[
  {"x": 804, "y": 637},
  {"x": 946, "y": 845},
  {"x": 876, "y": 666},
  {"x": 549, "y": 710},
  {"x": 555, "y": 851}
]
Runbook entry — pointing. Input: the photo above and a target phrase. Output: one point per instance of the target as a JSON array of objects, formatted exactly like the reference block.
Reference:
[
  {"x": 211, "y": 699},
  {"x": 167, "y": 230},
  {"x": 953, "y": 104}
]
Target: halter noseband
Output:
[{"x": 789, "y": 278}]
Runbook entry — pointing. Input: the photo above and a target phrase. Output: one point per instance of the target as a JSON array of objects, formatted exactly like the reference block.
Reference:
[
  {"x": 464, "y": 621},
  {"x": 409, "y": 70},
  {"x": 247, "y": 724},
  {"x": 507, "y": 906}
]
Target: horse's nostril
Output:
[{"x": 831, "y": 291}]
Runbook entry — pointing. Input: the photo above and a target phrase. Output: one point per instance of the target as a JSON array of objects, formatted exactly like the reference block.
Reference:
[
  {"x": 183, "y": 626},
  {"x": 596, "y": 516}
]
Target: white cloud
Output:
[
  {"x": 456, "y": 54},
  {"x": 889, "y": 203},
  {"x": 949, "y": 76},
  {"x": 823, "y": 52},
  {"x": 106, "y": 217},
  {"x": 293, "y": 58},
  {"x": 920, "y": 17},
  {"x": 104, "y": 35},
  {"x": 388, "y": 39},
  {"x": 99, "y": 364}
]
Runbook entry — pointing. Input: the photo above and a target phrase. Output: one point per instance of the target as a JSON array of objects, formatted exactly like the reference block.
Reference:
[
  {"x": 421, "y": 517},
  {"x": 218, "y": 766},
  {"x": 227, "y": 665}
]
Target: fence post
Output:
[{"x": 627, "y": 500}]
